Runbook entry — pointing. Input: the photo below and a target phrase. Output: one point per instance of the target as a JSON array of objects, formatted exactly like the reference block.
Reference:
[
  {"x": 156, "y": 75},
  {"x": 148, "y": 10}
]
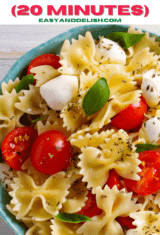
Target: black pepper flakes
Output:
[
  {"x": 151, "y": 90},
  {"x": 147, "y": 88},
  {"x": 98, "y": 156}
]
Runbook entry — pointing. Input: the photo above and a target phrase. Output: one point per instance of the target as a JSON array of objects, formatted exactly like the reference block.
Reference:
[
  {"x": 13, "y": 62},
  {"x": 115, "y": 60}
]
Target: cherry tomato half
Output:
[
  {"x": 16, "y": 146},
  {"x": 51, "y": 152},
  {"x": 130, "y": 117},
  {"x": 126, "y": 222},
  {"x": 46, "y": 59},
  {"x": 149, "y": 182},
  {"x": 114, "y": 179},
  {"x": 90, "y": 209}
]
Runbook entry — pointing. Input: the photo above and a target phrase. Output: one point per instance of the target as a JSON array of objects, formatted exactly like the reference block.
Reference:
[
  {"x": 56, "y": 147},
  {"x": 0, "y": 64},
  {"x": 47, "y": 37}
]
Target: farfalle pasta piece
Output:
[
  {"x": 147, "y": 41},
  {"x": 9, "y": 114},
  {"x": 64, "y": 48},
  {"x": 30, "y": 101},
  {"x": 114, "y": 203},
  {"x": 147, "y": 222},
  {"x": 10, "y": 85},
  {"x": 149, "y": 204},
  {"x": 38, "y": 177},
  {"x": 83, "y": 131},
  {"x": 50, "y": 126},
  {"x": 78, "y": 56},
  {"x": 62, "y": 228},
  {"x": 109, "y": 69},
  {"x": 86, "y": 81},
  {"x": 144, "y": 200},
  {"x": 94, "y": 140},
  {"x": 92, "y": 167},
  {"x": 40, "y": 202},
  {"x": 73, "y": 116},
  {"x": 120, "y": 83},
  {"x": 125, "y": 150},
  {"x": 42, "y": 228},
  {"x": 52, "y": 121},
  {"x": 117, "y": 153},
  {"x": 142, "y": 61},
  {"x": 43, "y": 74}
]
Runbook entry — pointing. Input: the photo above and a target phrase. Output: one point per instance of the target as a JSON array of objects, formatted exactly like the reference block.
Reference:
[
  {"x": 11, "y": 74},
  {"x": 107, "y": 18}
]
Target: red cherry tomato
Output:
[
  {"x": 126, "y": 222},
  {"x": 51, "y": 152},
  {"x": 90, "y": 209},
  {"x": 131, "y": 117},
  {"x": 46, "y": 59},
  {"x": 149, "y": 182},
  {"x": 114, "y": 179},
  {"x": 16, "y": 146}
]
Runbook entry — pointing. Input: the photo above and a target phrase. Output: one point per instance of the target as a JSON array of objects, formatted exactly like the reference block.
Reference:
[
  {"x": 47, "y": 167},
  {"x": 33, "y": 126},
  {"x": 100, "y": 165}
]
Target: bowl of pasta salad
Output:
[{"x": 80, "y": 135}]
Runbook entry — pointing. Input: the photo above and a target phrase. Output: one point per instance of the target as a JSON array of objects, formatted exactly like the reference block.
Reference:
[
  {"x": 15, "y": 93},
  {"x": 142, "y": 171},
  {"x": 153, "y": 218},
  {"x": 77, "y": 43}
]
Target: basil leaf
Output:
[
  {"x": 126, "y": 40},
  {"x": 145, "y": 147},
  {"x": 24, "y": 83},
  {"x": 73, "y": 218},
  {"x": 96, "y": 97},
  {"x": 40, "y": 118}
]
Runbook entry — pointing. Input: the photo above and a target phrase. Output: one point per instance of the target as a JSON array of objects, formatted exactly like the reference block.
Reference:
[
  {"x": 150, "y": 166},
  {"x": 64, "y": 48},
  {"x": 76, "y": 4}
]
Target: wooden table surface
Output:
[{"x": 15, "y": 40}]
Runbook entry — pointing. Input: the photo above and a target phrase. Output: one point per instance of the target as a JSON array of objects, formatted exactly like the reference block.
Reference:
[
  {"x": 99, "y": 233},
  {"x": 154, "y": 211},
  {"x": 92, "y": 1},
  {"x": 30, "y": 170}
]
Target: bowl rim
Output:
[
  {"x": 38, "y": 50},
  {"x": 22, "y": 64}
]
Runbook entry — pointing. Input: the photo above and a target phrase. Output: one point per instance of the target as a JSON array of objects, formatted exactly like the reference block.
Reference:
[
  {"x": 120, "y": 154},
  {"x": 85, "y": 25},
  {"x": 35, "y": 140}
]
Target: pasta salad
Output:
[{"x": 80, "y": 137}]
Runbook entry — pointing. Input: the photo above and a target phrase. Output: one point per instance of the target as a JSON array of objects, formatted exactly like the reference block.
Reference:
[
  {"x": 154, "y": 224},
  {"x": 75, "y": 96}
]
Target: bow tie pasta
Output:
[{"x": 103, "y": 97}]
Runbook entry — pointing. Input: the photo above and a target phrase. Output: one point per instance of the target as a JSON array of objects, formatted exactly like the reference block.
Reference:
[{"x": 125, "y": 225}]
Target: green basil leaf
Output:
[
  {"x": 40, "y": 118},
  {"x": 125, "y": 40},
  {"x": 96, "y": 97},
  {"x": 146, "y": 147},
  {"x": 73, "y": 218},
  {"x": 24, "y": 83}
]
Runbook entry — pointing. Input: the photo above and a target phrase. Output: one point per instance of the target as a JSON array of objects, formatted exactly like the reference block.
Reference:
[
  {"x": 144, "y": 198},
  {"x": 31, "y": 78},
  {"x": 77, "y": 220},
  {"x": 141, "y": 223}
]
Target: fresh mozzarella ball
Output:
[
  {"x": 59, "y": 91},
  {"x": 110, "y": 51},
  {"x": 151, "y": 87},
  {"x": 150, "y": 130}
]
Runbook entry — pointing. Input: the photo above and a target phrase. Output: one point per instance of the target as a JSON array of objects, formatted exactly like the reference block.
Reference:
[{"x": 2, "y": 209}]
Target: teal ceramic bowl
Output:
[{"x": 19, "y": 68}]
